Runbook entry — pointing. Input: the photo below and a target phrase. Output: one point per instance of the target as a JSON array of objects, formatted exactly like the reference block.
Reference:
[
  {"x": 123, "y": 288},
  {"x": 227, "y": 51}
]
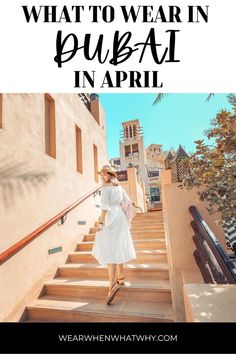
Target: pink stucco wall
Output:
[{"x": 35, "y": 187}]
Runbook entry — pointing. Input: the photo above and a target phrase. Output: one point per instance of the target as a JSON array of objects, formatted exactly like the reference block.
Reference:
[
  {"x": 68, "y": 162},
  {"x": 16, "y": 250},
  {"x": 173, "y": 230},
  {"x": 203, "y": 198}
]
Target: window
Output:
[
  {"x": 135, "y": 150},
  {"x": 155, "y": 194},
  {"x": 50, "y": 128},
  {"x": 95, "y": 159},
  {"x": 116, "y": 162},
  {"x": 153, "y": 173},
  {"x": 127, "y": 150},
  {"x": 79, "y": 161}
]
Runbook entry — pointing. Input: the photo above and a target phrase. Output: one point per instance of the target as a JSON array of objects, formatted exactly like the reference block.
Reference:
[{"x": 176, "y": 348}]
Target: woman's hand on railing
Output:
[
  {"x": 137, "y": 207},
  {"x": 100, "y": 225}
]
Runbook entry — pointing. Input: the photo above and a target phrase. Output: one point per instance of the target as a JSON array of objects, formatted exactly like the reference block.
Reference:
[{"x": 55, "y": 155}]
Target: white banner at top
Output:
[{"x": 120, "y": 46}]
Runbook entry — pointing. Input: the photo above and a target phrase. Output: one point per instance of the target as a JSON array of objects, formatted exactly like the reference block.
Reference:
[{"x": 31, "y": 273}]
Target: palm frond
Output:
[
  {"x": 209, "y": 97},
  {"x": 159, "y": 98}
]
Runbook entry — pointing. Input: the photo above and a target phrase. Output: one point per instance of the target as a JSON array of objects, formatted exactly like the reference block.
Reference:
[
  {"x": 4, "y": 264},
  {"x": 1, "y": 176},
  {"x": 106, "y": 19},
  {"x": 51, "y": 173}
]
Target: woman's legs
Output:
[
  {"x": 112, "y": 275},
  {"x": 120, "y": 271},
  {"x": 113, "y": 287}
]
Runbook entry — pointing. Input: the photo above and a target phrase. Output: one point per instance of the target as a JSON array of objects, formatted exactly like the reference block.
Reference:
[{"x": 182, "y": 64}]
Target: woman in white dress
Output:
[{"x": 113, "y": 244}]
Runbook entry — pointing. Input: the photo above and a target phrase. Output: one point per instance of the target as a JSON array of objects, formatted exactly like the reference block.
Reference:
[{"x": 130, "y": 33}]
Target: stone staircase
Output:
[{"x": 79, "y": 289}]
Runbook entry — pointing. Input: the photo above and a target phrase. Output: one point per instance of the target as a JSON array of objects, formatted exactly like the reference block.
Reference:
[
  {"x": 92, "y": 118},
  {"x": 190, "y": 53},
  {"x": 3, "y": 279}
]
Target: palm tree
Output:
[{"x": 160, "y": 97}]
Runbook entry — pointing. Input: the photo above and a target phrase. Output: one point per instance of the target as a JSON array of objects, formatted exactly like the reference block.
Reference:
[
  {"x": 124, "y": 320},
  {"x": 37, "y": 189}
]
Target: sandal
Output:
[
  {"x": 113, "y": 293},
  {"x": 121, "y": 281}
]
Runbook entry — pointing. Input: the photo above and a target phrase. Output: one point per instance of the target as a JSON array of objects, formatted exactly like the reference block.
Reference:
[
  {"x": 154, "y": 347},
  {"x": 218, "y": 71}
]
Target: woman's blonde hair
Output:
[{"x": 113, "y": 180}]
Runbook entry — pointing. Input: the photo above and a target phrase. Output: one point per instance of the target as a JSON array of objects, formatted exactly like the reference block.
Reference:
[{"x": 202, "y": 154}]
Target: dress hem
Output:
[{"x": 112, "y": 262}]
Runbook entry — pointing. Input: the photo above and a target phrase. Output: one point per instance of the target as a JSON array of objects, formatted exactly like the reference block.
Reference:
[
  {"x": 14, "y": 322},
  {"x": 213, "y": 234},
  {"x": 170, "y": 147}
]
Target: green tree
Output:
[{"x": 213, "y": 167}]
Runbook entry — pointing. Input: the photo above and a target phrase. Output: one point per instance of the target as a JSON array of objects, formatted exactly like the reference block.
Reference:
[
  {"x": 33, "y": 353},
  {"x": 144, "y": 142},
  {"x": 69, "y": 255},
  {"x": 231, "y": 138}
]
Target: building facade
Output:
[
  {"x": 52, "y": 146},
  {"x": 155, "y": 166},
  {"x": 149, "y": 162},
  {"x": 132, "y": 150}
]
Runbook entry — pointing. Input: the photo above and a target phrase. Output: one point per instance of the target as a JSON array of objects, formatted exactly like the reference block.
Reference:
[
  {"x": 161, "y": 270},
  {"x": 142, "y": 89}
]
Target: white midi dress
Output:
[{"x": 113, "y": 243}]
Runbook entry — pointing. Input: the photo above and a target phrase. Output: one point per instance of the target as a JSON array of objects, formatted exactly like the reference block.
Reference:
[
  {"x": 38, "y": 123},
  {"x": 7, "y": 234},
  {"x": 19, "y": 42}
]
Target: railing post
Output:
[{"x": 222, "y": 267}]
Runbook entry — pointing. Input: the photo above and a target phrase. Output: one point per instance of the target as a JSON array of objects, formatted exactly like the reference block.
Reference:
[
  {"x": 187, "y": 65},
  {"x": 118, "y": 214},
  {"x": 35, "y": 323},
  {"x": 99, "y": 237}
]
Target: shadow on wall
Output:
[
  {"x": 19, "y": 179},
  {"x": 212, "y": 302}
]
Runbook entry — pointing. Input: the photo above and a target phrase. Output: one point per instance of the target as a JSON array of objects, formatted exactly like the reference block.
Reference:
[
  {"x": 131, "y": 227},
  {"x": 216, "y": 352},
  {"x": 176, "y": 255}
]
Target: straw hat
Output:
[{"x": 108, "y": 169}]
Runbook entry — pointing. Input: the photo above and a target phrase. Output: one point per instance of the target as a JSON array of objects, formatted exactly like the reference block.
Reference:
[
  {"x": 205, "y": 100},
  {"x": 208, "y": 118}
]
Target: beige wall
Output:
[
  {"x": 179, "y": 234},
  {"x": 35, "y": 187},
  {"x": 166, "y": 177},
  {"x": 176, "y": 204}
]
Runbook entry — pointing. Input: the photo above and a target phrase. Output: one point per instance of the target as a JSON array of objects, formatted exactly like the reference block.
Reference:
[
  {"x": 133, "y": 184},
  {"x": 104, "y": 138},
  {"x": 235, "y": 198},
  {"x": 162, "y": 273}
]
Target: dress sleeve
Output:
[
  {"x": 126, "y": 198},
  {"x": 105, "y": 199},
  {"x": 127, "y": 207}
]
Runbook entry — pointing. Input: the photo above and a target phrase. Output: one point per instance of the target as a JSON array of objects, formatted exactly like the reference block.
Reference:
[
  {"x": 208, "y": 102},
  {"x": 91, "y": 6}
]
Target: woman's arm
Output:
[
  {"x": 104, "y": 206},
  {"x": 103, "y": 215},
  {"x": 101, "y": 221}
]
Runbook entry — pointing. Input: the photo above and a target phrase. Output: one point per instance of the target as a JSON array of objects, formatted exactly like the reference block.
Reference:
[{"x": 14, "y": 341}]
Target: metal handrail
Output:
[
  {"x": 225, "y": 262},
  {"x": 5, "y": 255}
]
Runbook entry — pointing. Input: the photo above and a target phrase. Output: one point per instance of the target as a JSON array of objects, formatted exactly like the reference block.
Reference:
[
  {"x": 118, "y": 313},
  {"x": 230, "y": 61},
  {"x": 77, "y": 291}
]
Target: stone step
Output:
[
  {"x": 154, "y": 217},
  {"x": 149, "y": 215},
  {"x": 137, "y": 235},
  {"x": 145, "y": 244},
  {"x": 93, "y": 230},
  {"x": 79, "y": 290},
  {"x": 148, "y": 220},
  {"x": 152, "y": 291},
  {"x": 157, "y": 271},
  {"x": 60, "y": 309},
  {"x": 159, "y": 227},
  {"x": 89, "y": 237},
  {"x": 144, "y": 221},
  {"x": 147, "y": 233},
  {"x": 148, "y": 227},
  {"x": 144, "y": 224},
  {"x": 143, "y": 256}
]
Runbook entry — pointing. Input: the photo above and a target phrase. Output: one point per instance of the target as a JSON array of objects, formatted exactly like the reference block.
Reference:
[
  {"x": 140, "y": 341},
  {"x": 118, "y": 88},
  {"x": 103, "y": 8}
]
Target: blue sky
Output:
[{"x": 177, "y": 119}]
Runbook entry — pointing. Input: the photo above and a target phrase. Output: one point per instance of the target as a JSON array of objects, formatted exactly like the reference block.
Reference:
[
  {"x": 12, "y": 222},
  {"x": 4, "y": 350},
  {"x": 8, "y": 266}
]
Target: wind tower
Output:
[{"x": 132, "y": 151}]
